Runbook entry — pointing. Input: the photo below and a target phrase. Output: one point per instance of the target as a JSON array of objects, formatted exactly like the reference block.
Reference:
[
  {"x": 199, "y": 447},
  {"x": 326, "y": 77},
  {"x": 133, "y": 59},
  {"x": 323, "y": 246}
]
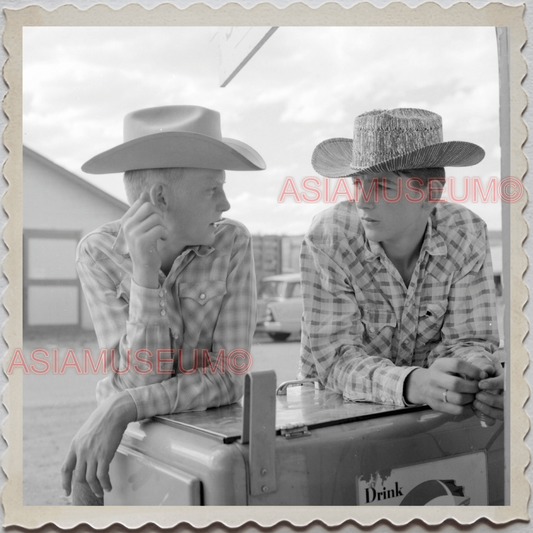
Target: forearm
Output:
[
  {"x": 344, "y": 367},
  {"x": 131, "y": 324},
  {"x": 187, "y": 392}
]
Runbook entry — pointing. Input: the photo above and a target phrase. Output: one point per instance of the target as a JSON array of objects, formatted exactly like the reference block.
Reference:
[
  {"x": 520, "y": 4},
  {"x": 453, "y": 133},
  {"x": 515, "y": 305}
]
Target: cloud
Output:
[{"x": 305, "y": 85}]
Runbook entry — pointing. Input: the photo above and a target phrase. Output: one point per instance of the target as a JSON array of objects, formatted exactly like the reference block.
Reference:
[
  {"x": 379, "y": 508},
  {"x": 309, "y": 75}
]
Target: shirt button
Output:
[
  {"x": 163, "y": 312},
  {"x": 383, "y": 398},
  {"x": 202, "y": 296},
  {"x": 372, "y": 329},
  {"x": 161, "y": 294},
  {"x": 162, "y": 303}
]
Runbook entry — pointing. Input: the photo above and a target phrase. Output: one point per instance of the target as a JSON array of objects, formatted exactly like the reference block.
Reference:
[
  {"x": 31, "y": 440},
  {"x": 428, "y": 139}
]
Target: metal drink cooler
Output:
[{"x": 306, "y": 446}]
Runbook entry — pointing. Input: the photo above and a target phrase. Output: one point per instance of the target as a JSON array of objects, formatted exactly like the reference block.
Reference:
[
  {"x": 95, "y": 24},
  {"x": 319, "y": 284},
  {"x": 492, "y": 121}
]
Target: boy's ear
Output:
[{"x": 159, "y": 195}]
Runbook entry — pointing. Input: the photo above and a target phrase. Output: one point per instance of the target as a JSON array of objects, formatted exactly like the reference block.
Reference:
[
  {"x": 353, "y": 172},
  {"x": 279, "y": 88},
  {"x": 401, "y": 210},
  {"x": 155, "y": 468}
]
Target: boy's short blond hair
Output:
[{"x": 138, "y": 181}]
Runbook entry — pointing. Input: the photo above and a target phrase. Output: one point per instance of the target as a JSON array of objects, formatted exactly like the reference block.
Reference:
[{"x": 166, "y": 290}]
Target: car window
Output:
[{"x": 296, "y": 291}]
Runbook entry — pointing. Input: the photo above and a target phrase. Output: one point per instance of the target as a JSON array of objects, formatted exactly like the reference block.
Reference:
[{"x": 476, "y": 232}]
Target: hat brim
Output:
[
  {"x": 176, "y": 149},
  {"x": 332, "y": 158}
]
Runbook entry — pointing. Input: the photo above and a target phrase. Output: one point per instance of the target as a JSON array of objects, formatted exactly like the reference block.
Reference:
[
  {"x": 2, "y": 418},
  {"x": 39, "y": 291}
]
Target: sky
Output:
[{"x": 305, "y": 85}]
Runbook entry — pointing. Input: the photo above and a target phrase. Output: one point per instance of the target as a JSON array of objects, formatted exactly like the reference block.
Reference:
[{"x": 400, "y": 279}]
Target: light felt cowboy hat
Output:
[
  {"x": 175, "y": 136},
  {"x": 389, "y": 140}
]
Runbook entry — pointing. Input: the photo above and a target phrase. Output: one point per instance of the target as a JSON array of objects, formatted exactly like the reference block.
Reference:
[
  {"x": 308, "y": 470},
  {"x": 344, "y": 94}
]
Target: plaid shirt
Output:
[
  {"x": 364, "y": 331},
  {"x": 207, "y": 302}
]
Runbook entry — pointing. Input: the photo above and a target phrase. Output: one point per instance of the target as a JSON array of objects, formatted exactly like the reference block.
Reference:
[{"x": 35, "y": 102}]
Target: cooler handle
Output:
[{"x": 282, "y": 389}]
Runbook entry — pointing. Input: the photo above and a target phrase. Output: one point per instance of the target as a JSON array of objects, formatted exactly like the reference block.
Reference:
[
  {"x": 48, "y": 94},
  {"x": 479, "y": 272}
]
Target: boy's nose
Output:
[{"x": 224, "y": 205}]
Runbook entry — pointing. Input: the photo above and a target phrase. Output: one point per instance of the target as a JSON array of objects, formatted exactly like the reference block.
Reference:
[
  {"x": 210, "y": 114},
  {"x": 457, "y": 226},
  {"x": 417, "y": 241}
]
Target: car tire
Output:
[{"x": 279, "y": 336}]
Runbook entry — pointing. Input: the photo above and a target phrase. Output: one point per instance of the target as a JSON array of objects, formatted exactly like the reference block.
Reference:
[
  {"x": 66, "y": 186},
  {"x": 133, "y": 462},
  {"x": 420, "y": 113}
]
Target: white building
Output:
[{"x": 58, "y": 209}]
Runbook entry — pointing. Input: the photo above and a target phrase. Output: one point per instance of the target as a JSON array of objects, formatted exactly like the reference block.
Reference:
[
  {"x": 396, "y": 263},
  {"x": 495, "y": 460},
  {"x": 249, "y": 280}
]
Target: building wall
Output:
[{"x": 56, "y": 201}]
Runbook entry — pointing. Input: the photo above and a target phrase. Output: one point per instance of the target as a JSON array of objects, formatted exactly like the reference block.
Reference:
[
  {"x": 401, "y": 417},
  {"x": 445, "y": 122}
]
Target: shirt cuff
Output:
[
  {"x": 404, "y": 378},
  {"x": 148, "y": 306}
]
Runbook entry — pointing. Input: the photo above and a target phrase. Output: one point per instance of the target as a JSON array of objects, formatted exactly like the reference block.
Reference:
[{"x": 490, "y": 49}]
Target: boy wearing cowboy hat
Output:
[
  {"x": 170, "y": 286},
  {"x": 398, "y": 289}
]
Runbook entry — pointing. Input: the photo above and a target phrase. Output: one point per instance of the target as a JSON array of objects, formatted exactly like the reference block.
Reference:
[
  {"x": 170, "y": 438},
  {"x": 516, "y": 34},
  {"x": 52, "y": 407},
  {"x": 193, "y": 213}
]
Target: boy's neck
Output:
[
  {"x": 404, "y": 253},
  {"x": 169, "y": 255}
]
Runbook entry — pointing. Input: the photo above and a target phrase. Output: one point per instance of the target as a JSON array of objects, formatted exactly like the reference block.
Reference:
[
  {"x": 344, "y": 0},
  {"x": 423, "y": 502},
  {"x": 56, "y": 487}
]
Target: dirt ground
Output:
[{"x": 56, "y": 405}]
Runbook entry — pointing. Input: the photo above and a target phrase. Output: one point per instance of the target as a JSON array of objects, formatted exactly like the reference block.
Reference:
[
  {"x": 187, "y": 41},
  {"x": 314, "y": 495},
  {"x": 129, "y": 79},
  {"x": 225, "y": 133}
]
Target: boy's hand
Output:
[
  {"x": 449, "y": 385},
  {"x": 489, "y": 402},
  {"x": 93, "y": 448},
  {"x": 143, "y": 227}
]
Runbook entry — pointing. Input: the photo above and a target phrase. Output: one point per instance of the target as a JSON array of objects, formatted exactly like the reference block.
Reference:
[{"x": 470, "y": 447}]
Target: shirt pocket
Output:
[
  {"x": 379, "y": 326},
  {"x": 200, "y": 304},
  {"x": 430, "y": 320}
]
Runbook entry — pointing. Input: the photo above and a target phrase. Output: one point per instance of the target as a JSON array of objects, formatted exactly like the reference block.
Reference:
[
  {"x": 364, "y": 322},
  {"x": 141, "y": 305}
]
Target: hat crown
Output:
[
  {"x": 178, "y": 118},
  {"x": 381, "y": 135}
]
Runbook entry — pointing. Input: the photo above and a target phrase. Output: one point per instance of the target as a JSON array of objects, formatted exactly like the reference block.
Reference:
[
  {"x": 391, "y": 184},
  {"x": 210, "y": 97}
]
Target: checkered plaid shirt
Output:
[
  {"x": 364, "y": 331},
  {"x": 207, "y": 302}
]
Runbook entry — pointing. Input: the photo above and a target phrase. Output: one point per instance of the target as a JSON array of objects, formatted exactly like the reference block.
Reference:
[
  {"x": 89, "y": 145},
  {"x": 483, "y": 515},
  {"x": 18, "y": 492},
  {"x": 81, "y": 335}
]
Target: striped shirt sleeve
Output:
[{"x": 332, "y": 335}]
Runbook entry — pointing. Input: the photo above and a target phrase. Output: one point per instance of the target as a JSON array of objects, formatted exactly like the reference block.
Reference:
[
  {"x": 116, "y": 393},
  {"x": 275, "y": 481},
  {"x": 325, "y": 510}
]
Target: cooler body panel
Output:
[
  {"x": 328, "y": 467},
  {"x": 199, "y": 469},
  {"x": 350, "y": 454}
]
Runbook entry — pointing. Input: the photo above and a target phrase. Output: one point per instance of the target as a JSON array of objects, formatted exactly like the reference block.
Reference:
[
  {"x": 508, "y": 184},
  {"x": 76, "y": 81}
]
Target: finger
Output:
[
  {"x": 493, "y": 400},
  {"x": 455, "y": 367},
  {"x": 458, "y": 398},
  {"x": 450, "y": 408},
  {"x": 92, "y": 480},
  {"x": 487, "y": 410},
  {"x": 66, "y": 471},
  {"x": 496, "y": 383},
  {"x": 153, "y": 220},
  {"x": 458, "y": 384},
  {"x": 471, "y": 371},
  {"x": 145, "y": 197},
  {"x": 156, "y": 233},
  {"x": 103, "y": 476}
]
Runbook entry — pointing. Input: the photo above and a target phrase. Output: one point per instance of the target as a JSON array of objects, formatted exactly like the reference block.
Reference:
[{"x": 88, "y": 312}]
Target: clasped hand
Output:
[{"x": 454, "y": 386}]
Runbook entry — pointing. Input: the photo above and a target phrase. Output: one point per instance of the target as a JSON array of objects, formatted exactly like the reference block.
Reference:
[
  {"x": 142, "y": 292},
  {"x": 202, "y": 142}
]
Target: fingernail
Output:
[{"x": 484, "y": 375}]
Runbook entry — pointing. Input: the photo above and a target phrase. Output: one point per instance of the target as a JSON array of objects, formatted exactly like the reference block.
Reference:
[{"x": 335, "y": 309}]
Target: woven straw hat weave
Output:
[{"x": 389, "y": 140}]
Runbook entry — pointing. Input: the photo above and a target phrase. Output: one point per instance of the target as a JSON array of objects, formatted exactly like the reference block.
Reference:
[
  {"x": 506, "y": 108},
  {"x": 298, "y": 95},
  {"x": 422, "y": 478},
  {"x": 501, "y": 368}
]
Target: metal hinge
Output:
[{"x": 293, "y": 431}]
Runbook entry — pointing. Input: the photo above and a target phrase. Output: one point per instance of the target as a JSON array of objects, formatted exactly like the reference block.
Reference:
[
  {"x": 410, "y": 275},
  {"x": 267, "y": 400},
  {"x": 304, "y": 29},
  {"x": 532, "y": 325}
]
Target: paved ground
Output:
[{"x": 55, "y": 406}]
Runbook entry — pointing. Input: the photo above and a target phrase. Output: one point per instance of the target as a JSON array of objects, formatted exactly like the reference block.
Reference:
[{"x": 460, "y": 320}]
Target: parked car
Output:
[{"x": 280, "y": 306}]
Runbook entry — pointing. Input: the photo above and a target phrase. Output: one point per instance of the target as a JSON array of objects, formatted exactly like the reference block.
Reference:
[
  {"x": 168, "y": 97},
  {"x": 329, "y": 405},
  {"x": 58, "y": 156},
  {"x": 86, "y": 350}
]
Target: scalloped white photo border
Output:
[{"x": 396, "y": 14}]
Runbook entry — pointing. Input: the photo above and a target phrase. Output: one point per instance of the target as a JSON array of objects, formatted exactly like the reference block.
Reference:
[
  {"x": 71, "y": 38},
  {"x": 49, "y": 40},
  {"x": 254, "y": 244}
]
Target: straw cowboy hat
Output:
[
  {"x": 395, "y": 139},
  {"x": 175, "y": 136}
]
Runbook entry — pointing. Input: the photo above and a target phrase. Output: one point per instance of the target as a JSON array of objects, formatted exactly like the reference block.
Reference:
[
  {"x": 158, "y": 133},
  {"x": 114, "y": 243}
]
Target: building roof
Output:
[{"x": 89, "y": 187}]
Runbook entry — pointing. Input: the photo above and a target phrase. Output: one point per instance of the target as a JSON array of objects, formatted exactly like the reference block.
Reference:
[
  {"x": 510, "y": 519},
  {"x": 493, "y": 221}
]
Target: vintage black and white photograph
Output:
[{"x": 266, "y": 266}]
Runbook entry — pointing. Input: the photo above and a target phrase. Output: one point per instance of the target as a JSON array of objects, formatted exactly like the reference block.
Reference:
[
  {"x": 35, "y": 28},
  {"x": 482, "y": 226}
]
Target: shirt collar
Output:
[{"x": 120, "y": 246}]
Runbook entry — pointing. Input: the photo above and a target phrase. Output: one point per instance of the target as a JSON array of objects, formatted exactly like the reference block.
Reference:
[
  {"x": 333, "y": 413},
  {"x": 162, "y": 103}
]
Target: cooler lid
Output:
[{"x": 301, "y": 406}]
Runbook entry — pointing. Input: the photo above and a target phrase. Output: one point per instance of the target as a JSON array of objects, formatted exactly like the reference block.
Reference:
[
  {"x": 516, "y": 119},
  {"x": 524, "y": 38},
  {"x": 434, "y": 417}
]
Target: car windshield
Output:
[{"x": 273, "y": 289}]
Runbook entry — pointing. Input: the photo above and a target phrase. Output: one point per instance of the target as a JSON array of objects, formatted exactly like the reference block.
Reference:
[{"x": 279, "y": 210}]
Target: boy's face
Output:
[
  {"x": 393, "y": 209},
  {"x": 197, "y": 201}
]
